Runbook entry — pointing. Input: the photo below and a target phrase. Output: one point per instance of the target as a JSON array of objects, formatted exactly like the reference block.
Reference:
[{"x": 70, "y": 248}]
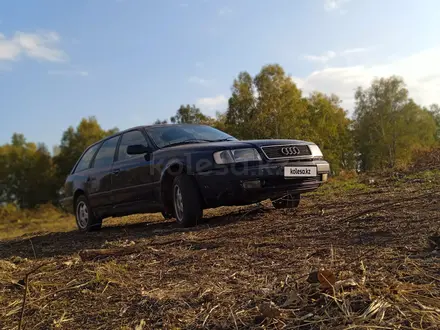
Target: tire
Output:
[
  {"x": 286, "y": 202},
  {"x": 85, "y": 218},
  {"x": 187, "y": 201}
]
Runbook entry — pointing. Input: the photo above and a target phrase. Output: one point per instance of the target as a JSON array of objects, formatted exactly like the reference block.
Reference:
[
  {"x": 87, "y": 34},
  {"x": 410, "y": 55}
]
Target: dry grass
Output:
[
  {"x": 46, "y": 218},
  {"x": 243, "y": 268}
]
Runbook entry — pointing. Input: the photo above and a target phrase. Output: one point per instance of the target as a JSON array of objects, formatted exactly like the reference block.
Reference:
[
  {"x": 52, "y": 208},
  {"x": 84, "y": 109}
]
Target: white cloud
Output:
[
  {"x": 212, "y": 104},
  {"x": 321, "y": 58},
  {"x": 330, "y": 54},
  {"x": 354, "y": 51},
  {"x": 8, "y": 50},
  {"x": 420, "y": 71},
  {"x": 40, "y": 45},
  {"x": 67, "y": 73},
  {"x": 199, "y": 81},
  {"x": 331, "y": 5}
]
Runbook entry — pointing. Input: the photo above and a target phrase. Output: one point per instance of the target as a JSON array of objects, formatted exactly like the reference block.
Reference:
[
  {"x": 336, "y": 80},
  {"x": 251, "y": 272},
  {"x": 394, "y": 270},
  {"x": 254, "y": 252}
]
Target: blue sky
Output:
[{"x": 129, "y": 62}]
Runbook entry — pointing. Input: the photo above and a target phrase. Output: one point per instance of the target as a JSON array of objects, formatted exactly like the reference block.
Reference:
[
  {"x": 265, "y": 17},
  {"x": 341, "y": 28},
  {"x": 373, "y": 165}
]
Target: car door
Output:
[
  {"x": 99, "y": 178},
  {"x": 133, "y": 174}
]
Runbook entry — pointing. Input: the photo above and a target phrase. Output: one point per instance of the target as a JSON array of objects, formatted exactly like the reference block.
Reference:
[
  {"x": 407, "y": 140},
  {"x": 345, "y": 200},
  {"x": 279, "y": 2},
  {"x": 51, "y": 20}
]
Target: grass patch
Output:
[
  {"x": 45, "y": 218},
  {"x": 428, "y": 179},
  {"x": 341, "y": 186},
  {"x": 425, "y": 175}
]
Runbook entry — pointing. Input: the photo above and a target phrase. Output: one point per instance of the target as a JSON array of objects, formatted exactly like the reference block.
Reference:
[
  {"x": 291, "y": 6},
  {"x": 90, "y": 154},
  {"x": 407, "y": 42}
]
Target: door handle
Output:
[{"x": 116, "y": 171}]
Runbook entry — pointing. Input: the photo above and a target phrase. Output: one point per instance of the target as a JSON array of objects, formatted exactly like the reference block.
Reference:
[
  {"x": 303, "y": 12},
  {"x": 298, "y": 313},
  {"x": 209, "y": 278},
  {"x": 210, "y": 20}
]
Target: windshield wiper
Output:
[
  {"x": 189, "y": 141},
  {"x": 221, "y": 140}
]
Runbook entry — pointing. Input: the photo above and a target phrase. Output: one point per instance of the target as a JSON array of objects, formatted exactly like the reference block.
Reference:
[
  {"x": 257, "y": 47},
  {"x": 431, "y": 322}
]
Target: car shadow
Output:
[{"x": 67, "y": 243}]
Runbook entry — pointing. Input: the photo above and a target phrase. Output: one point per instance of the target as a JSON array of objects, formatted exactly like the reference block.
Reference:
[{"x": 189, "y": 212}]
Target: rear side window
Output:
[
  {"x": 106, "y": 153},
  {"x": 84, "y": 162},
  {"x": 130, "y": 138}
]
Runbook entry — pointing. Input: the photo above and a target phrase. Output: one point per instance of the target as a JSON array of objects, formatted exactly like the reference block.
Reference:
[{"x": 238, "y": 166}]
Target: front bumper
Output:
[
  {"x": 66, "y": 204},
  {"x": 239, "y": 186}
]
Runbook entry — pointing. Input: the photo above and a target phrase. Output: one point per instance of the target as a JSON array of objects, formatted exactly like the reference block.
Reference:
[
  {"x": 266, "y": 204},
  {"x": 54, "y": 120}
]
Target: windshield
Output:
[{"x": 175, "y": 134}]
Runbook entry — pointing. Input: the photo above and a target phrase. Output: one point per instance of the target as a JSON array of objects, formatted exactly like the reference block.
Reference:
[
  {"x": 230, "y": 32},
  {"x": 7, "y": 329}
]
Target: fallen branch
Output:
[
  {"x": 105, "y": 253},
  {"x": 26, "y": 281}
]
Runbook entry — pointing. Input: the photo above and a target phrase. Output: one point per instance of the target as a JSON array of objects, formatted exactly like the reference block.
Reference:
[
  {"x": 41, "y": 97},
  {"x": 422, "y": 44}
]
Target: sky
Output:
[{"x": 130, "y": 62}]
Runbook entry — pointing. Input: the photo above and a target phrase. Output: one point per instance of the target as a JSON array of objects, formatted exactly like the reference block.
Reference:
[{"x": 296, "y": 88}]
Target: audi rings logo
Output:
[{"x": 290, "y": 151}]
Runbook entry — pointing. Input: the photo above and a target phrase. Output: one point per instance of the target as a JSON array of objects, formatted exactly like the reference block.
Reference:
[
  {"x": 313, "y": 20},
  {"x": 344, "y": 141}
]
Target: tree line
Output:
[{"x": 386, "y": 128}]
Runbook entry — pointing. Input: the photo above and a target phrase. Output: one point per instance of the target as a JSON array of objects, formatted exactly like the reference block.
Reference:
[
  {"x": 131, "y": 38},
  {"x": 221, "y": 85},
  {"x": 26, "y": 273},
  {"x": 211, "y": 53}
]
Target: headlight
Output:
[
  {"x": 236, "y": 156},
  {"x": 314, "y": 149}
]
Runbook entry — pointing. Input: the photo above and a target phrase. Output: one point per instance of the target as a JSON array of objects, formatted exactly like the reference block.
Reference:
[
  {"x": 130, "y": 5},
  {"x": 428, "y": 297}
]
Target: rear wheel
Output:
[
  {"x": 85, "y": 218},
  {"x": 286, "y": 202},
  {"x": 187, "y": 201}
]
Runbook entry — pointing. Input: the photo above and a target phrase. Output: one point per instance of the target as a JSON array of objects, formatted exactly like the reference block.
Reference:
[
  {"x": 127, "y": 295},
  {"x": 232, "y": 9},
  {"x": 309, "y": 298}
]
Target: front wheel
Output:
[
  {"x": 85, "y": 218},
  {"x": 187, "y": 201},
  {"x": 286, "y": 202}
]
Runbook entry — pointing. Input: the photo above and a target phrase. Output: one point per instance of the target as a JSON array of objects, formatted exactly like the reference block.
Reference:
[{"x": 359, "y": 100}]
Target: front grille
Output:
[{"x": 275, "y": 152}]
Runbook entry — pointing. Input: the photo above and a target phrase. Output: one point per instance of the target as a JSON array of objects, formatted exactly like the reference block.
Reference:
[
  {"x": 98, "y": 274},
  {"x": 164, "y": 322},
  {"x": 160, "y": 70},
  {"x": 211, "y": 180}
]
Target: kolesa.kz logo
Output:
[{"x": 300, "y": 171}]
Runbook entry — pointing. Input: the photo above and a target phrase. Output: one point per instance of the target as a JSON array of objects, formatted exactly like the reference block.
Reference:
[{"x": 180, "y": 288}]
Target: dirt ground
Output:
[{"x": 355, "y": 255}]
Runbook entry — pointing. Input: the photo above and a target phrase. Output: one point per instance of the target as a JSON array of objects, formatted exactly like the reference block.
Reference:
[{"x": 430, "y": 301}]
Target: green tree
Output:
[
  {"x": 75, "y": 141},
  {"x": 158, "y": 122},
  {"x": 268, "y": 105},
  {"x": 241, "y": 107},
  {"x": 220, "y": 121},
  {"x": 389, "y": 125},
  {"x": 26, "y": 173},
  {"x": 187, "y": 114},
  {"x": 330, "y": 129},
  {"x": 434, "y": 110},
  {"x": 281, "y": 112}
]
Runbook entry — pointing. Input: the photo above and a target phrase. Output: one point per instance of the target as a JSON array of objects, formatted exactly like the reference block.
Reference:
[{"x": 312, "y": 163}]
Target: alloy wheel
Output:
[
  {"x": 178, "y": 202},
  {"x": 82, "y": 214}
]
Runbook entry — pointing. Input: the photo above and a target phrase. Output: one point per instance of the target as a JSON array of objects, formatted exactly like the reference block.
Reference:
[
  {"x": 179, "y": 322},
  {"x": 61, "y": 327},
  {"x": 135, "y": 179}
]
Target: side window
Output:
[
  {"x": 84, "y": 163},
  {"x": 106, "y": 153},
  {"x": 130, "y": 138}
]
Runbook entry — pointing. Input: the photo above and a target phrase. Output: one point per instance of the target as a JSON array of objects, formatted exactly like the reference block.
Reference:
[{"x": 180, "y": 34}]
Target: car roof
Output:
[{"x": 140, "y": 127}]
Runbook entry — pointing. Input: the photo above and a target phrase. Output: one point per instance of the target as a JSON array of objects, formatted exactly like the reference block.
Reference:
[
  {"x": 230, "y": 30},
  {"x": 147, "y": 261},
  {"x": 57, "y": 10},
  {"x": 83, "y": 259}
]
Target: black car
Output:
[{"x": 181, "y": 169}]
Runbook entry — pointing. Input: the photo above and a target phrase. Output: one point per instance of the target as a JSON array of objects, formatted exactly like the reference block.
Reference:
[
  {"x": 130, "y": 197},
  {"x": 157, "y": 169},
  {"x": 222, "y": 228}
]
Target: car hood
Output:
[
  {"x": 274, "y": 142},
  {"x": 205, "y": 146}
]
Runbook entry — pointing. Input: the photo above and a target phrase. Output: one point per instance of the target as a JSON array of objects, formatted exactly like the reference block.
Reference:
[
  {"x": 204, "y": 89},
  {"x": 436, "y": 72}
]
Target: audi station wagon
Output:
[{"x": 182, "y": 169}]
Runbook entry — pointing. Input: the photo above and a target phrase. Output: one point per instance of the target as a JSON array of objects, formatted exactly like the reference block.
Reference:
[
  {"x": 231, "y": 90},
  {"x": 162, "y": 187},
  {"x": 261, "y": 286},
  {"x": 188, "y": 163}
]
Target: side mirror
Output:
[{"x": 137, "y": 149}]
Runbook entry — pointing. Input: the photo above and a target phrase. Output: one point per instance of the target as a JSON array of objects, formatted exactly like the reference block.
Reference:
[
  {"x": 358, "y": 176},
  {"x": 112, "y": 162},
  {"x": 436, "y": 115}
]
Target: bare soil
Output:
[{"x": 242, "y": 268}]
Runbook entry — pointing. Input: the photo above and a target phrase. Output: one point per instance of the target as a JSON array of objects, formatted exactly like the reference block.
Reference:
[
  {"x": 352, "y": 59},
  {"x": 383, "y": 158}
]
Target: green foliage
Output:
[
  {"x": 189, "y": 115},
  {"x": 434, "y": 110},
  {"x": 242, "y": 107},
  {"x": 330, "y": 129},
  {"x": 26, "y": 173},
  {"x": 389, "y": 126},
  {"x": 268, "y": 105},
  {"x": 74, "y": 142},
  {"x": 159, "y": 122}
]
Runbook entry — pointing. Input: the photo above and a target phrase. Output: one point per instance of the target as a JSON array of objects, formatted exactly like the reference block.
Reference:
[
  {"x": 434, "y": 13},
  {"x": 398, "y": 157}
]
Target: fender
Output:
[{"x": 169, "y": 164}]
